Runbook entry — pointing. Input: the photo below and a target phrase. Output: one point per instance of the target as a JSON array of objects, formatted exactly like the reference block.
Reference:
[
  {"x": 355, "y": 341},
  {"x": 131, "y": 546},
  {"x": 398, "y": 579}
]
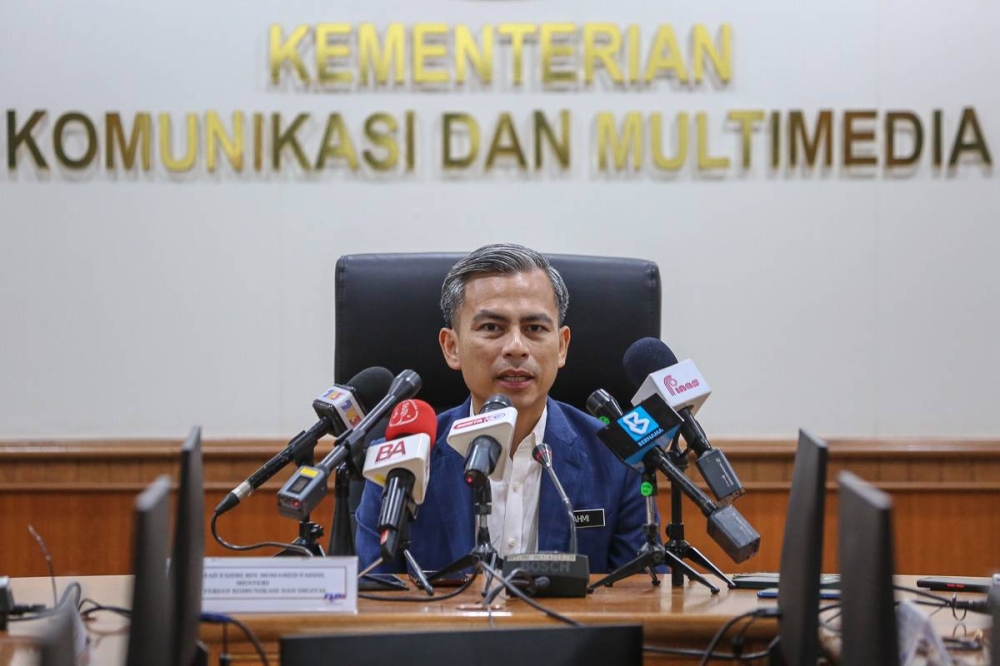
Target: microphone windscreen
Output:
[
  {"x": 644, "y": 357},
  {"x": 370, "y": 386},
  {"x": 542, "y": 453},
  {"x": 412, "y": 417},
  {"x": 495, "y": 402}
]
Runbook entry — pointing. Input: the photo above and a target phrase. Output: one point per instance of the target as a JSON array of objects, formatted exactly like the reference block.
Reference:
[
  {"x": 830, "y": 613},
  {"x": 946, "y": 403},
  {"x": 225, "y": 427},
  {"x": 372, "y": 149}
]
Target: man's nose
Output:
[{"x": 515, "y": 346}]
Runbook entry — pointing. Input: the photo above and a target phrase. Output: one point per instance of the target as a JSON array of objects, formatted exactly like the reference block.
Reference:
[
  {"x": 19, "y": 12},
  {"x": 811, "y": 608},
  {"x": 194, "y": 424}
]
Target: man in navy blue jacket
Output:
[{"x": 504, "y": 307}]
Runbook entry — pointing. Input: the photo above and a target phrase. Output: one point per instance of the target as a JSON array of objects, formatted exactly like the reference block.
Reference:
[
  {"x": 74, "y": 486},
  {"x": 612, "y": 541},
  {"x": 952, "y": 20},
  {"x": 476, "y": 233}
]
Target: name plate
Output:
[{"x": 280, "y": 585}]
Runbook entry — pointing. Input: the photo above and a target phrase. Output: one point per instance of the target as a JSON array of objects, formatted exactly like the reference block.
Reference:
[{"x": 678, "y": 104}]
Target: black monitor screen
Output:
[
  {"x": 149, "y": 635},
  {"x": 550, "y": 646},
  {"x": 868, "y": 614},
  {"x": 188, "y": 557},
  {"x": 802, "y": 554}
]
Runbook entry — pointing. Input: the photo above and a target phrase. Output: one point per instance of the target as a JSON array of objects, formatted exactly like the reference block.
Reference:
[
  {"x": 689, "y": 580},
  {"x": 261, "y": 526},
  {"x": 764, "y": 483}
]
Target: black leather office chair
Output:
[{"x": 388, "y": 314}]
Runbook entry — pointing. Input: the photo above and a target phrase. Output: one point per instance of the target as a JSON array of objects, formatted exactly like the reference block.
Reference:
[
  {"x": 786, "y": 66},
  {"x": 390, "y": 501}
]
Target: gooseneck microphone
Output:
[
  {"x": 542, "y": 453},
  {"x": 484, "y": 440},
  {"x": 338, "y": 408},
  {"x": 641, "y": 436},
  {"x": 307, "y": 487},
  {"x": 401, "y": 465},
  {"x": 552, "y": 574},
  {"x": 654, "y": 369}
]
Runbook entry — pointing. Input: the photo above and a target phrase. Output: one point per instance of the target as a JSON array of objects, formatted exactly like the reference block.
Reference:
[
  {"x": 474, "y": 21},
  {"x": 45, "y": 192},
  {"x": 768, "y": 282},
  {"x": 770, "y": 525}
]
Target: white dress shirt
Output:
[{"x": 513, "y": 522}]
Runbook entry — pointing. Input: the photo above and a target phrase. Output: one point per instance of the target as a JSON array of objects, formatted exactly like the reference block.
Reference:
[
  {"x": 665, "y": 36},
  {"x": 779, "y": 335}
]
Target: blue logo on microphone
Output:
[{"x": 640, "y": 426}]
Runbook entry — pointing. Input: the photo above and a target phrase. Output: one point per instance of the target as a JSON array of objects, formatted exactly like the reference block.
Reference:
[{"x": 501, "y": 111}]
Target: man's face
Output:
[{"x": 506, "y": 339}]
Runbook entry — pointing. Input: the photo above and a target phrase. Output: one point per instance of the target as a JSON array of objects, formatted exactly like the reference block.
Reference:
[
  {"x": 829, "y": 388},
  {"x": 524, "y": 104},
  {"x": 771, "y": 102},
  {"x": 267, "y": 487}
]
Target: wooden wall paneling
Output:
[{"x": 79, "y": 496}]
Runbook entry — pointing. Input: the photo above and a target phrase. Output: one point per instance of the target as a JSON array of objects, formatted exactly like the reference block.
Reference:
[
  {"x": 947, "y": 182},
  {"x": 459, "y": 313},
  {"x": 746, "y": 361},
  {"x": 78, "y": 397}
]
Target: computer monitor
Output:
[
  {"x": 802, "y": 555},
  {"x": 187, "y": 562},
  {"x": 868, "y": 612},
  {"x": 547, "y": 646},
  {"x": 150, "y": 635}
]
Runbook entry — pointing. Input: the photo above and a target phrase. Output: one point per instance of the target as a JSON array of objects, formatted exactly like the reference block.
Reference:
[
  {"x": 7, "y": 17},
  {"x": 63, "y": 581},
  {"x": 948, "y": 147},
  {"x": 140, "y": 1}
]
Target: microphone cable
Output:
[
  {"x": 516, "y": 591},
  {"x": 753, "y": 615},
  {"x": 219, "y": 618},
  {"x": 263, "y": 544},
  {"x": 425, "y": 598}
]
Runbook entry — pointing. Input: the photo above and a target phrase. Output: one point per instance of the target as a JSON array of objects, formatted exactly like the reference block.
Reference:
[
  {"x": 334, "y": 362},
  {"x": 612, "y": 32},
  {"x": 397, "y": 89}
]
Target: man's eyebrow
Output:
[
  {"x": 540, "y": 317},
  {"x": 493, "y": 315}
]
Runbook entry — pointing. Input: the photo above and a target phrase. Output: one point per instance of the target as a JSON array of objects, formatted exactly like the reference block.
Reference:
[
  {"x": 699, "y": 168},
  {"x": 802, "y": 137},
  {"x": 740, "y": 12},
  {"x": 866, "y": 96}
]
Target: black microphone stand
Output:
[
  {"x": 675, "y": 530},
  {"x": 417, "y": 573},
  {"x": 341, "y": 536},
  {"x": 483, "y": 552},
  {"x": 342, "y": 541},
  {"x": 653, "y": 553}
]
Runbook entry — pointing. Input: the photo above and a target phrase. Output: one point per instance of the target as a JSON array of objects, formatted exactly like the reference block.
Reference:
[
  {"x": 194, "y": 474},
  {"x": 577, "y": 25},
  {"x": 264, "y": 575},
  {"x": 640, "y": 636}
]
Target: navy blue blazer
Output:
[{"x": 444, "y": 529}]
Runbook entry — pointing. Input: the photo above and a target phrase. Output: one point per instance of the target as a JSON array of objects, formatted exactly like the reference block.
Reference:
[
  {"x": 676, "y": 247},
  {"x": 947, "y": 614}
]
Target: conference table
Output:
[{"x": 685, "y": 617}]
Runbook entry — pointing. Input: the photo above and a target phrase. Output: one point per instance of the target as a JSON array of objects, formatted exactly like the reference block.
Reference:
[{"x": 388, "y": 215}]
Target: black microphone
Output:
[
  {"x": 338, "y": 408},
  {"x": 726, "y": 525},
  {"x": 654, "y": 368},
  {"x": 307, "y": 487},
  {"x": 485, "y": 451},
  {"x": 401, "y": 465},
  {"x": 484, "y": 440}
]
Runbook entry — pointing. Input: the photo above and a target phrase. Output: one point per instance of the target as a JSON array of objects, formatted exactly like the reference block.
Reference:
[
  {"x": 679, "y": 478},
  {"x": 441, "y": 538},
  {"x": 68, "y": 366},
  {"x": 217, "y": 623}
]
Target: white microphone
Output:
[
  {"x": 401, "y": 465},
  {"x": 484, "y": 439},
  {"x": 680, "y": 384},
  {"x": 655, "y": 369}
]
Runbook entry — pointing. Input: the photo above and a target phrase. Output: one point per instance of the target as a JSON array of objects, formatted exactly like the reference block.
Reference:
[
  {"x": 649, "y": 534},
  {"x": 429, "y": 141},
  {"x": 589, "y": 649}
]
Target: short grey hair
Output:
[{"x": 497, "y": 259}]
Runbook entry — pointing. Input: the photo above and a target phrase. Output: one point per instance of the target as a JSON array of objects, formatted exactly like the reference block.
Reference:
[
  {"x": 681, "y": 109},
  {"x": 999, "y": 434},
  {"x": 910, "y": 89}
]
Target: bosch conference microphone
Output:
[{"x": 553, "y": 574}]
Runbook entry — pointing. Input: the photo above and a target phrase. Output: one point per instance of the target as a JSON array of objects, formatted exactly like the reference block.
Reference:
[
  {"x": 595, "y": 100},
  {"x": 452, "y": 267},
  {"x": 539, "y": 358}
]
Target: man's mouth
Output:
[{"x": 515, "y": 377}]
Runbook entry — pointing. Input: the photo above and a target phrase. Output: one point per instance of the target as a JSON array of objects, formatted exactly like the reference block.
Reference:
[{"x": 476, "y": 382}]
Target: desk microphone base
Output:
[{"x": 555, "y": 574}]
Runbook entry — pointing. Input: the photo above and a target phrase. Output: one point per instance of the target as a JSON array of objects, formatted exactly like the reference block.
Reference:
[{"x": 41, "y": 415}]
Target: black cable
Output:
[
  {"x": 435, "y": 597},
  {"x": 98, "y": 608},
  {"x": 263, "y": 544},
  {"x": 528, "y": 600},
  {"x": 737, "y": 641},
  {"x": 253, "y": 639},
  {"x": 760, "y": 612},
  {"x": 224, "y": 657},
  {"x": 697, "y": 654},
  {"x": 219, "y": 618},
  {"x": 923, "y": 593},
  {"x": 826, "y": 624},
  {"x": 490, "y": 595}
]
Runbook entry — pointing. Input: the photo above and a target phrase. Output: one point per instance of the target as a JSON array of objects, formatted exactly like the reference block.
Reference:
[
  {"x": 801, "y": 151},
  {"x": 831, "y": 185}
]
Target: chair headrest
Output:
[{"x": 387, "y": 313}]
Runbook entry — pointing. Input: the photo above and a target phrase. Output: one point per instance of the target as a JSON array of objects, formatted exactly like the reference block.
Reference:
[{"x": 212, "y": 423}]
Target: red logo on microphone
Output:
[
  {"x": 674, "y": 387},
  {"x": 391, "y": 450},
  {"x": 404, "y": 413},
  {"x": 475, "y": 420}
]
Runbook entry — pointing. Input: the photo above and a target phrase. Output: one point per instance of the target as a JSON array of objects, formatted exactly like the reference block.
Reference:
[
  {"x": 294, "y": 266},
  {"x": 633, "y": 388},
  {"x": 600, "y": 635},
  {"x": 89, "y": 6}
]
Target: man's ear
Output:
[
  {"x": 448, "y": 339},
  {"x": 564, "y": 337}
]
